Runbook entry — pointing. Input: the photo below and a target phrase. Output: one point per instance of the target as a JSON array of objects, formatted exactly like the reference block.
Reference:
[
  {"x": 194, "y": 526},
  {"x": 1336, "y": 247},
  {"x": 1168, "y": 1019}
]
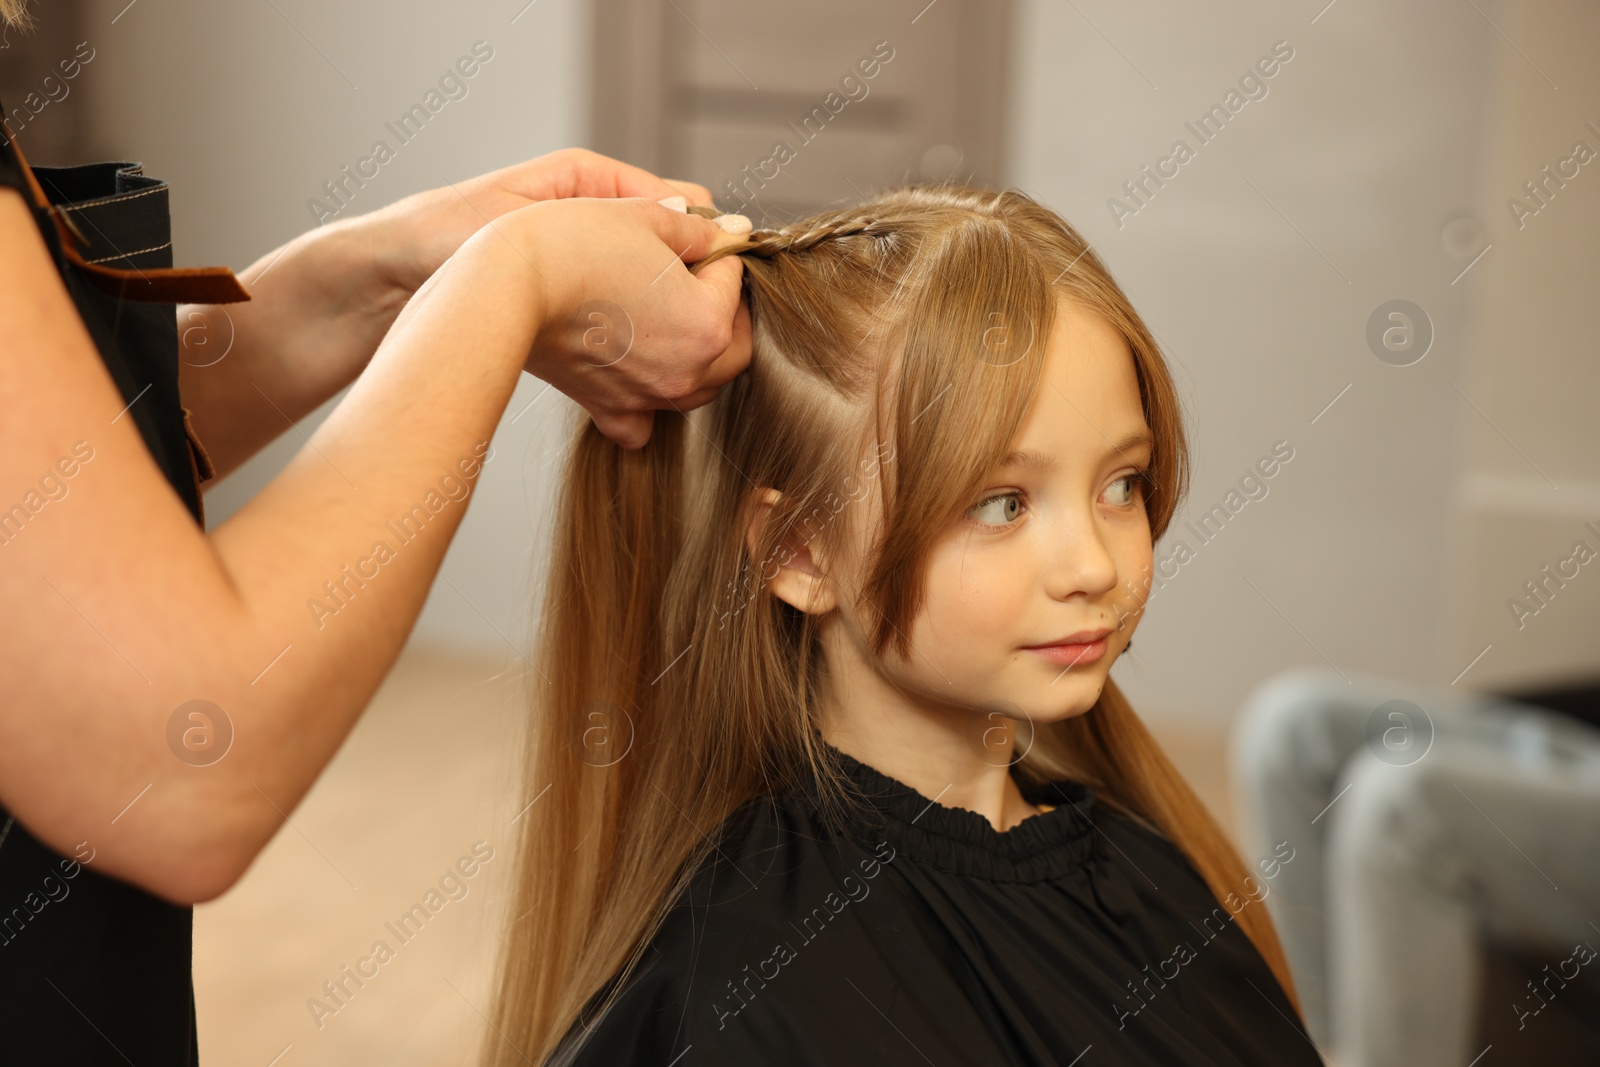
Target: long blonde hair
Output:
[
  {"x": 674, "y": 688},
  {"x": 15, "y": 13}
]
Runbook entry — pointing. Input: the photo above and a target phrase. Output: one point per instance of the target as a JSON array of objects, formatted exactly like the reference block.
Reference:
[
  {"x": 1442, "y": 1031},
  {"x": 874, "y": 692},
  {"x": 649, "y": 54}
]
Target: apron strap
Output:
[{"x": 161, "y": 285}]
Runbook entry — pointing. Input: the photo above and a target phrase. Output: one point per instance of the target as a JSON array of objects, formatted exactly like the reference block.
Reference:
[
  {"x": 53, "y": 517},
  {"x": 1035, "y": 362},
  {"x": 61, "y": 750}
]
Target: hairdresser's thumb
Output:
[
  {"x": 723, "y": 281},
  {"x": 692, "y": 237}
]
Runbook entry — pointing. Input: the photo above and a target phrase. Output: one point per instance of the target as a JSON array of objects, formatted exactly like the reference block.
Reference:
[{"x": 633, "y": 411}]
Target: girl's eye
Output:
[
  {"x": 1002, "y": 509},
  {"x": 998, "y": 510},
  {"x": 1132, "y": 483}
]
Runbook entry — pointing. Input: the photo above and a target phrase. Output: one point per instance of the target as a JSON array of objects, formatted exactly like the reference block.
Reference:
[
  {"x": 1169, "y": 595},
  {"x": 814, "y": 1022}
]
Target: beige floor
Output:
[{"x": 425, "y": 775}]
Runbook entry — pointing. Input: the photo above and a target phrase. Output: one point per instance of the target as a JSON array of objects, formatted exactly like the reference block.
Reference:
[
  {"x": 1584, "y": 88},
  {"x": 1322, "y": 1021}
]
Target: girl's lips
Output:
[{"x": 1072, "y": 655}]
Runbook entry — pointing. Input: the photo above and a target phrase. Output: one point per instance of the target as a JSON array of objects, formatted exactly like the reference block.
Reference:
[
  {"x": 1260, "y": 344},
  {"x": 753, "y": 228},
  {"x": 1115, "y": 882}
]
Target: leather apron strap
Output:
[{"x": 162, "y": 285}]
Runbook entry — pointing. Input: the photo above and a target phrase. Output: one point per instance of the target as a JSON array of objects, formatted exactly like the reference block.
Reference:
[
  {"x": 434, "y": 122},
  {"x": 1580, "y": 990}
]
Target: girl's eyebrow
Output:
[{"x": 1032, "y": 459}]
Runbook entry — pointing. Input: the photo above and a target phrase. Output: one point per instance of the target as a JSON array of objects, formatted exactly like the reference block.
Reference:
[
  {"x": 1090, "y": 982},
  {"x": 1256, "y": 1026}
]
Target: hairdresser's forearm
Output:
[
  {"x": 319, "y": 306},
  {"x": 391, "y": 452}
]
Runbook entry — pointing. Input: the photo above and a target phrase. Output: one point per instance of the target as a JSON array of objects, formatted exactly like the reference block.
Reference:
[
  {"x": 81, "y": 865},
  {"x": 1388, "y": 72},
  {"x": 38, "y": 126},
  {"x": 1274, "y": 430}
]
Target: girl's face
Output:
[{"x": 1056, "y": 548}]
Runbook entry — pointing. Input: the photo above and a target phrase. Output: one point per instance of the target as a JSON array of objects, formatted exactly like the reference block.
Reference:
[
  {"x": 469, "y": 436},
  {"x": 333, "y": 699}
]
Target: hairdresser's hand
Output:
[
  {"x": 321, "y": 303},
  {"x": 419, "y": 233},
  {"x": 624, "y": 328}
]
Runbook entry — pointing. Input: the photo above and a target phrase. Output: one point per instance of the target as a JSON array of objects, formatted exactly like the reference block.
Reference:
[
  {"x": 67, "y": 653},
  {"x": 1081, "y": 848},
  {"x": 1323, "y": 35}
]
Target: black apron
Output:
[{"x": 94, "y": 970}]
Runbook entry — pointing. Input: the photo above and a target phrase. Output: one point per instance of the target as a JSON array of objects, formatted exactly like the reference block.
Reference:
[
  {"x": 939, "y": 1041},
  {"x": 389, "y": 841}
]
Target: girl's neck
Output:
[{"x": 936, "y": 754}]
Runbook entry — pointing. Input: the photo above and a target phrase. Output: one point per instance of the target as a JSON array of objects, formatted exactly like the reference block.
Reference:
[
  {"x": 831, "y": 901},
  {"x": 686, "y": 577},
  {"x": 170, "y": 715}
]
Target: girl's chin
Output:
[
  {"x": 1071, "y": 711},
  {"x": 1070, "y": 696},
  {"x": 1054, "y": 707}
]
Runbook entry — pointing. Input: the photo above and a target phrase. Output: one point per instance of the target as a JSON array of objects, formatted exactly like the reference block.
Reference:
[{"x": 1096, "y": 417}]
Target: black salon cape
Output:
[{"x": 928, "y": 937}]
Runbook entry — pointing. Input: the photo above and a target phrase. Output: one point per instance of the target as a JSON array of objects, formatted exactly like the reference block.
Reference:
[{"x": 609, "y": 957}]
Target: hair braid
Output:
[{"x": 767, "y": 243}]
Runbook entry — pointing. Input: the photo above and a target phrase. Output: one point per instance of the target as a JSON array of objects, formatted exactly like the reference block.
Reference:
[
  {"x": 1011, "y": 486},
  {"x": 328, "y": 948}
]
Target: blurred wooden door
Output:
[{"x": 782, "y": 108}]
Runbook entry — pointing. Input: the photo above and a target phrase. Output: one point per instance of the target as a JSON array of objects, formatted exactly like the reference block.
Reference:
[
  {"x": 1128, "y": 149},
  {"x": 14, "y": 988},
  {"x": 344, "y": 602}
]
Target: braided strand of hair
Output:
[{"x": 767, "y": 243}]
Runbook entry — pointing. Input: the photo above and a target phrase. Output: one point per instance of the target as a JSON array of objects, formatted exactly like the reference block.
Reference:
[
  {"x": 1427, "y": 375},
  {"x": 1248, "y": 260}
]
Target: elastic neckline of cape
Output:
[{"x": 1048, "y": 845}]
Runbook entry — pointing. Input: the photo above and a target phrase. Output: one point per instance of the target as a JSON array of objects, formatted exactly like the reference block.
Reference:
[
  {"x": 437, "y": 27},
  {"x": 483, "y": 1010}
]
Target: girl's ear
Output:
[{"x": 792, "y": 571}]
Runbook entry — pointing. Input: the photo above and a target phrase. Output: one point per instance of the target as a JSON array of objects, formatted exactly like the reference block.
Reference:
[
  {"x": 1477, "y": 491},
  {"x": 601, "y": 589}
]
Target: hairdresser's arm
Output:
[
  {"x": 321, "y": 303},
  {"x": 115, "y": 608}
]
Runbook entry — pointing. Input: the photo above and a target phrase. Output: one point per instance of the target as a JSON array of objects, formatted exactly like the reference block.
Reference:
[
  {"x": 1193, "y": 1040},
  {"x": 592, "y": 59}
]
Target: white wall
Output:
[{"x": 1529, "y": 484}]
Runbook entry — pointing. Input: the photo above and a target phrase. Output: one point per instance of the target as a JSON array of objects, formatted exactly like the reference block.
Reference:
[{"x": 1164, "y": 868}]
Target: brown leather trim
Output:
[
  {"x": 205, "y": 470},
  {"x": 166, "y": 285}
]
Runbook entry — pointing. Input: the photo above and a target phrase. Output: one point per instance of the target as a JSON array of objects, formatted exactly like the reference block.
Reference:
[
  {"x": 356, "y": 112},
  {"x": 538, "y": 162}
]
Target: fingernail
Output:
[
  {"x": 676, "y": 203},
  {"x": 733, "y": 223}
]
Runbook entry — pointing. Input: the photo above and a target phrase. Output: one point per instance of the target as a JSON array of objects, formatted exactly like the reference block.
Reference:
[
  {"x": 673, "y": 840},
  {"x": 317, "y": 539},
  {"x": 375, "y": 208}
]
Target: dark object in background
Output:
[
  {"x": 1580, "y": 700},
  {"x": 1566, "y": 1032}
]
